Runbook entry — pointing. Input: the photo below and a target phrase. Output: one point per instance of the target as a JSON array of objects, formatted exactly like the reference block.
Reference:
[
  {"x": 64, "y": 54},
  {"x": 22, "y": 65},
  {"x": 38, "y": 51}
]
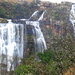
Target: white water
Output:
[
  {"x": 11, "y": 44},
  {"x": 34, "y": 14},
  {"x": 40, "y": 44},
  {"x": 11, "y": 41},
  {"x": 72, "y": 16}
]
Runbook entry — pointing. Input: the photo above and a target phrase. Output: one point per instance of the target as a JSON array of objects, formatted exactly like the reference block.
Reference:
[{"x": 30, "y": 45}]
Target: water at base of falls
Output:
[{"x": 11, "y": 44}]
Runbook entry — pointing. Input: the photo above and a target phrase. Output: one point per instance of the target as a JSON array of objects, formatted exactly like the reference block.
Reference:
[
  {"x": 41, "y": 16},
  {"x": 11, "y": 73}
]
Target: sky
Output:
[{"x": 59, "y": 1}]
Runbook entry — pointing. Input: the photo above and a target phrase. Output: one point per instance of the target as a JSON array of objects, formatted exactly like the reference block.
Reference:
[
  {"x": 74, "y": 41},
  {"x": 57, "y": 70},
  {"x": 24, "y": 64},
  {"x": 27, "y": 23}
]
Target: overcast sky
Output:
[{"x": 59, "y": 1}]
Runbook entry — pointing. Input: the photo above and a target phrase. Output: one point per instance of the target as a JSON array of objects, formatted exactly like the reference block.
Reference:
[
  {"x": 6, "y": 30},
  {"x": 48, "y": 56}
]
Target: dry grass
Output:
[{"x": 70, "y": 71}]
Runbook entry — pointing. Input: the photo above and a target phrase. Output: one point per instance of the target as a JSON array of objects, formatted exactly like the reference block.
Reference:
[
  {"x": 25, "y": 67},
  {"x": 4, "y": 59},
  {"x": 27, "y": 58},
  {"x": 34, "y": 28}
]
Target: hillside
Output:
[
  {"x": 16, "y": 10},
  {"x": 17, "y": 1}
]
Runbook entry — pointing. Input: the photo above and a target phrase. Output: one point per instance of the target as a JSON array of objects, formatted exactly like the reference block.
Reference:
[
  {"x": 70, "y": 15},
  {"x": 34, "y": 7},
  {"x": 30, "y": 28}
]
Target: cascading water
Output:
[
  {"x": 11, "y": 44},
  {"x": 40, "y": 44},
  {"x": 11, "y": 41},
  {"x": 72, "y": 16}
]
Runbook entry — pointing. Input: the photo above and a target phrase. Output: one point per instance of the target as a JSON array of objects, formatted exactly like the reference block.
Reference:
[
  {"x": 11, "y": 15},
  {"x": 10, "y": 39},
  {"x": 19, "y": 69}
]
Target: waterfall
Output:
[
  {"x": 40, "y": 44},
  {"x": 72, "y": 16},
  {"x": 11, "y": 44},
  {"x": 34, "y": 14},
  {"x": 12, "y": 41}
]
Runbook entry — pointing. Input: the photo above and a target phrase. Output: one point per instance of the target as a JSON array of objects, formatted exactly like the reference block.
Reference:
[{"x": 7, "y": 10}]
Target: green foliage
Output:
[
  {"x": 2, "y": 11},
  {"x": 26, "y": 67},
  {"x": 23, "y": 70},
  {"x": 53, "y": 61},
  {"x": 46, "y": 56},
  {"x": 15, "y": 10}
]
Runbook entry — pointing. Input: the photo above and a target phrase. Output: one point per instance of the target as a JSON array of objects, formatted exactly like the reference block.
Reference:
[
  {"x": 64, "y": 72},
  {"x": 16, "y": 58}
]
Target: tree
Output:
[{"x": 2, "y": 11}]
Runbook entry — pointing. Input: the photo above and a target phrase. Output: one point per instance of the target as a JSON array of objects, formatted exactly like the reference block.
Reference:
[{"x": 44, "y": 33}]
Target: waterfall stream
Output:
[
  {"x": 12, "y": 41},
  {"x": 72, "y": 16},
  {"x": 11, "y": 44},
  {"x": 40, "y": 44}
]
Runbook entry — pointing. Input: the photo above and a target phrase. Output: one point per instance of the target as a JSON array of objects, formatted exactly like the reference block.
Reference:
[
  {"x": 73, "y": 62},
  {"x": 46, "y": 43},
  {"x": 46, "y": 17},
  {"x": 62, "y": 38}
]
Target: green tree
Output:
[{"x": 2, "y": 11}]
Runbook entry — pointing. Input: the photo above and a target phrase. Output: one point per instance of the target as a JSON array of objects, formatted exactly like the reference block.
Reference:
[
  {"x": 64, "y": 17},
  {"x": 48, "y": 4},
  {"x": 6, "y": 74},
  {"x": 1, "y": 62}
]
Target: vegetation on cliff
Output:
[
  {"x": 16, "y": 10},
  {"x": 54, "y": 61}
]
